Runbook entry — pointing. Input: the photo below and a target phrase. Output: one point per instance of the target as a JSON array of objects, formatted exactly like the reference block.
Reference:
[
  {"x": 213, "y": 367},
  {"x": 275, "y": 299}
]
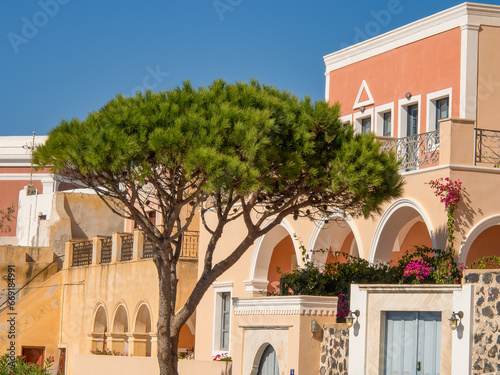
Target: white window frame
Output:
[
  {"x": 431, "y": 107},
  {"x": 346, "y": 119},
  {"x": 360, "y": 116},
  {"x": 403, "y": 114},
  {"x": 220, "y": 288},
  {"x": 379, "y": 118}
]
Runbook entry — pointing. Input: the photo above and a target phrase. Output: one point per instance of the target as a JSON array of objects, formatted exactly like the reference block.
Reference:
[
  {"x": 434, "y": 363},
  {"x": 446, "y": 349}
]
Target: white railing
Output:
[{"x": 416, "y": 150}]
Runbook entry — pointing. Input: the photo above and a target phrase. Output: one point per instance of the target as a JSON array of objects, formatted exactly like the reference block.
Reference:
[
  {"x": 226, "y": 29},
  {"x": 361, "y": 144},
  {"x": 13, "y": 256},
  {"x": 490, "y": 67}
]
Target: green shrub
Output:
[
  {"x": 20, "y": 367},
  {"x": 335, "y": 279}
]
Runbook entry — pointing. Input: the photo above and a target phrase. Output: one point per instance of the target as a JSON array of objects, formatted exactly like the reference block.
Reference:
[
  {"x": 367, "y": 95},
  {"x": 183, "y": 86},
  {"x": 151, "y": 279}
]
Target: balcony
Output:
[
  {"x": 487, "y": 147},
  {"x": 122, "y": 247},
  {"x": 416, "y": 151},
  {"x": 458, "y": 142}
]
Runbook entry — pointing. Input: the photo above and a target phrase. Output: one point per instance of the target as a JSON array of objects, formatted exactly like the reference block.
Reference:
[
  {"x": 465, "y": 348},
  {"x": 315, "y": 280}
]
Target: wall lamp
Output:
[
  {"x": 456, "y": 318},
  {"x": 350, "y": 318},
  {"x": 314, "y": 326},
  {"x": 408, "y": 95}
]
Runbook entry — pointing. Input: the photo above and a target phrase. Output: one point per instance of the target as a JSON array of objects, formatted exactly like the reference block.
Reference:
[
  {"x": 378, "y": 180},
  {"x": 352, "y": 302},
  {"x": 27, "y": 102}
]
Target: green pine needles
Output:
[{"x": 226, "y": 152}]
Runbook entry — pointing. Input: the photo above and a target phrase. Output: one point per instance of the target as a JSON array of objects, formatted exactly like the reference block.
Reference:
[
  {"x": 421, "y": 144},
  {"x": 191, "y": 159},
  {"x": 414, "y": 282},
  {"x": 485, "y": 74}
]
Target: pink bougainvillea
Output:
[
  {"x": 417, "y": 269},
  {"x": 342, "y": 306},
  {"x": 450, "y": 193}
]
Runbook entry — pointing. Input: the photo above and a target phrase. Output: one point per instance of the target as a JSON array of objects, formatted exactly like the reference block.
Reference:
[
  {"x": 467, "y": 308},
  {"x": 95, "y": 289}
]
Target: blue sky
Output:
[{"x": 61, "y": 59}]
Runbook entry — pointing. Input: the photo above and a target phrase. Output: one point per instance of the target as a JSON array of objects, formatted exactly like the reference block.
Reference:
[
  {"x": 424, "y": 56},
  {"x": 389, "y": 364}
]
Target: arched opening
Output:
[
  {"x": 482, "y": 240},
  {"x": 402, "y": 227},
  {"x": 119, "y": 336},
  {"x": 99, "y": 330},
  {"x": 283, "y": 260},
  {"x": 275, "y": 249},
  {"x": 186, "y": 340},
  {"x": 486, "y": 244},
  {"x": 334, "y": 240},
  {"x": 268, "y": 364},
  {"x": 142, "y": 332}
]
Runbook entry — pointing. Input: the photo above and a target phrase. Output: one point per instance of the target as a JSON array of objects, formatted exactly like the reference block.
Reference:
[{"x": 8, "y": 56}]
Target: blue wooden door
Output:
[
  {"x": 268, "y": 363},
  {"x": 412, "y": 343}
]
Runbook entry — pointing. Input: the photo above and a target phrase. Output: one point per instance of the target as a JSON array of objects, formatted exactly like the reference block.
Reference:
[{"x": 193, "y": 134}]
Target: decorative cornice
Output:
[
  {"x": 286, "y": 305},
  {"x": 409, "y": 288},
  {"x": 14, "y": 150},
  {"x": 262, "y": 328},
  {"x": 468, "y": 14}
]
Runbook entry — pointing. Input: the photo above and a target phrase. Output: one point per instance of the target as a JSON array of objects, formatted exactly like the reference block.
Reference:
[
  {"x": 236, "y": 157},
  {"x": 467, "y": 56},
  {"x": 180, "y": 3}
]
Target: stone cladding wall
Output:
[
  {"x": 486, "y": 329},
  {"x": 334, "y": 349}
]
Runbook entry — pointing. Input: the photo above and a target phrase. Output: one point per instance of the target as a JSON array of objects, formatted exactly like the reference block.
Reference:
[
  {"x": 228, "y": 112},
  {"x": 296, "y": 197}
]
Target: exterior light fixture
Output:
[
  {"x": 362, "y": 108},
  {"x": 350, "y": 318},
  {"x": 408, "y": 95},
  {"x": 314, "y": 326},
  {"x": 456, "y": 318}
]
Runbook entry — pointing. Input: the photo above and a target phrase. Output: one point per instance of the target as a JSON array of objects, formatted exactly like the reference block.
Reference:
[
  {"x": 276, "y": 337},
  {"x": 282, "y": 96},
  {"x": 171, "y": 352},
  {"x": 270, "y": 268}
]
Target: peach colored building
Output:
[{"x": 429, "y": 90}]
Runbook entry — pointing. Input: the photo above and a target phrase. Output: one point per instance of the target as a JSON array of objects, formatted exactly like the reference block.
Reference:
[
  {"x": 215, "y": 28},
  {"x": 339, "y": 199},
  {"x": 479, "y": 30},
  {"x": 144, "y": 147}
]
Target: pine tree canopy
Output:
[
  {"x": 236, "y": 151},
  {"x": 224, "y": 139}
]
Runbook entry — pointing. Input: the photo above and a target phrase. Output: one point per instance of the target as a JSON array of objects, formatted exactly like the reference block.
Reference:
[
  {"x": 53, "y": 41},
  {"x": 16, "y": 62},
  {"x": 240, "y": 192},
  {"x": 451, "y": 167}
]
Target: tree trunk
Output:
[{"x": 168, "y": 341}]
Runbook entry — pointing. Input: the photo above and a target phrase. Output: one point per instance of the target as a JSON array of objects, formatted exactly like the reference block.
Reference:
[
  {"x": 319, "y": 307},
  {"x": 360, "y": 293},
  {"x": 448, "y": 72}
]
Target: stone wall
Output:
[
  {"x": 486, "y": 330},
  {"x": 334, "y": 349}
]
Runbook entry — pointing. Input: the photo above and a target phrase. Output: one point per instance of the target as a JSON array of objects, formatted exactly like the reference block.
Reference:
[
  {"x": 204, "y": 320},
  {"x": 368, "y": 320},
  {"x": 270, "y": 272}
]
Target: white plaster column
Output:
[{"x": 469, "y": 71}]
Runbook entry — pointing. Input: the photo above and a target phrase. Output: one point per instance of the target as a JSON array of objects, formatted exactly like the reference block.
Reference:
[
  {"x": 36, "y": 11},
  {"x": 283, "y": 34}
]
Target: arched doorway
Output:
[{"x": 268, "y": 364}]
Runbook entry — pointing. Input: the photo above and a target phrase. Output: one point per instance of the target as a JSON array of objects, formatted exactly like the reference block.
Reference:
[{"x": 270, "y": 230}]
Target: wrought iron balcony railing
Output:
[
  {"x": 127, "y": 247},
  {"x": 416, "y": 150},
  {"x": 81, "y": 252},
  {"x": 106, "y": 245},
  {"x": 189, "y": 249},
  {"x": 487, "y": 147}
]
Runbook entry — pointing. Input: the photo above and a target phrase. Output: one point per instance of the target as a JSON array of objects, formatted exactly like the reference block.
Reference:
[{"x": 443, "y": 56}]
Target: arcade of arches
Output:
[{"x": 132, "y": 339}]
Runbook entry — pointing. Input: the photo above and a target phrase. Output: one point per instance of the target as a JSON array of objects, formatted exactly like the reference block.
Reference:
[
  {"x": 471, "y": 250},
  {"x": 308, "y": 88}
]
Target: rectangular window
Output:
[
  {"x": 386, "y": 129},
  {"x": 412, "y": 120},
  {"x": 225, "y": 315},
  {"x": 412, "y": 342},
  {"x": 222, "y": 318},
  {"x": 366, "y": 125},
  {"x": 441, "y": 110}
]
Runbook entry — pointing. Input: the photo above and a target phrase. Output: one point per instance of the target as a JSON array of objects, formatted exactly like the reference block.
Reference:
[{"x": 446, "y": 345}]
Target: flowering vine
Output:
[
  {"x": 450, "y": 193},
  {"x": 224, "y": 357},
  {"x": 417, "y": 270}
]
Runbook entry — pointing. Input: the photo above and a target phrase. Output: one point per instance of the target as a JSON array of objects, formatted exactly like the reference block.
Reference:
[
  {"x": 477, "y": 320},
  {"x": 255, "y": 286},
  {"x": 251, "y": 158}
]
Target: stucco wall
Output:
[
  {"x": 86, "y": 364},
  {"x": 422, "y": 67},
  {"x": 127, "y": 285},
  {"x": 37, "y": 319},
  {"x": 486, "y": 334},
  {"x": 29, "y": 262},
  {"x": 488, "y": 86}
]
